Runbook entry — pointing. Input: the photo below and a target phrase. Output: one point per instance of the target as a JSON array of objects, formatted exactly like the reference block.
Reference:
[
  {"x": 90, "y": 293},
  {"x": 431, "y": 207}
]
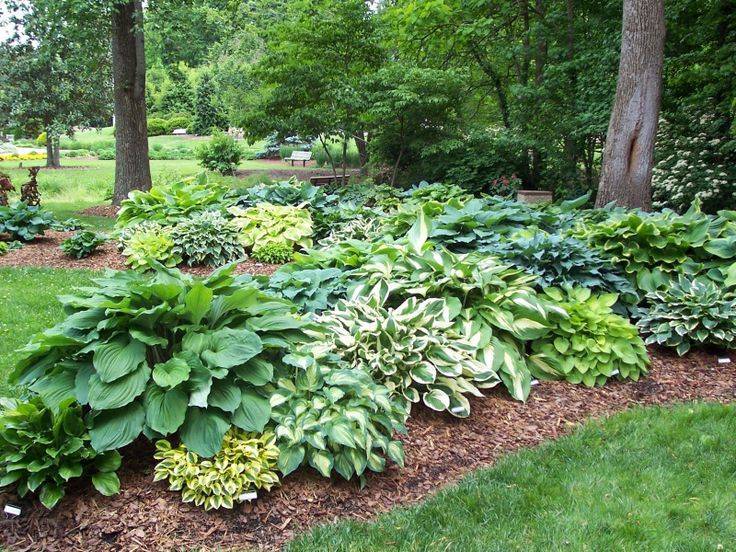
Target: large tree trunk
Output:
[
  {"x": 626, "y": 174},
  {"x": 53, "y": 156},
  {"x": 361, "y": 142},
  {"x": 132, "y": 168}
]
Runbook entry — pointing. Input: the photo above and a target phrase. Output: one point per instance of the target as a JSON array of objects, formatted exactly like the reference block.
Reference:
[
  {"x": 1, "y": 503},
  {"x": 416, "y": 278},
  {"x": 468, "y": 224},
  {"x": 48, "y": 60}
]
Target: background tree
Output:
[
  {"x": 207, "y": 115},
  {"x": 629, "y": 154}
]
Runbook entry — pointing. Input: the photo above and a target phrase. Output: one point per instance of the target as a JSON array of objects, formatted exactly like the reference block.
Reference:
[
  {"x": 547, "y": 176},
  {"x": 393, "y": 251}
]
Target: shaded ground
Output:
[
  {"x": 44, "y": 252},
  {"x": 439, "y": 450}
]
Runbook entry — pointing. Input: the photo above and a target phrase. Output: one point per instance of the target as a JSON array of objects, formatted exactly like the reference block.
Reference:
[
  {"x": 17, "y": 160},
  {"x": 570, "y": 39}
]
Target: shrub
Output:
[
  {"x": 222, "y": 154},
  {"x": 179, "y": 121},
  {"x": 42, "y": 448},
  {"x": 168, "y": 353},
  {"x": 106, "y": 154},
  {"x": 157, "y": 127},
  {"x": 41, "y": 140},
  {"x": 273, "y": 252},
  {"x": 690, "y": 312},
  {"x": 334, "y": 418},
  {"x": 244, "y": 463},
  {"x": 172, "y": 202},
  {"x": 24, "y": 222},
  {"x": 207, "y": 238},
  {"x": 267, "y": 223},
  {"x": 589, "y": 344},
  {"x": 82, "y": 244},
  {"x": 150, "y": 245}
]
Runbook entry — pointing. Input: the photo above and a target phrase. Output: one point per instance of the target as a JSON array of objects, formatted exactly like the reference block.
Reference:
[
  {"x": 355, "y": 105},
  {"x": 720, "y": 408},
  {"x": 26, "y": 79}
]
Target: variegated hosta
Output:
[
  {"x": 690, "y": 313},
  {"x": 335, "y": 418},
  {"x": 420, "y": 349}
]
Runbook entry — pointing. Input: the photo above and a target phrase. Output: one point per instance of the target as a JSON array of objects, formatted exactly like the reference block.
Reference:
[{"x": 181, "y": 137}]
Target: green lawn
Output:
[
  {"x": 653, "y": 479},
  {"x": 29, "y": 305}
]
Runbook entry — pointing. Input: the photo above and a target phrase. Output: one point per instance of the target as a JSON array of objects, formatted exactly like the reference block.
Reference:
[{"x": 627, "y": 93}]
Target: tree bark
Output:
[
  {"x": 361, "y": 142},
  {"x": 132, "y": 168},
  {"x": 53, "y": 156},
  {"x": 626, "y": 173}
]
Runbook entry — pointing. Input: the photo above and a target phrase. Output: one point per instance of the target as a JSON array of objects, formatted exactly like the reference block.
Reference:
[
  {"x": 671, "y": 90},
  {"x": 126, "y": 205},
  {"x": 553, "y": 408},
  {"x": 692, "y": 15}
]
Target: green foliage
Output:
[
  {"x": 42, "y": 448},
  {"x": 207, "y": 116},
  {"x": 313, "y": 289},
  {"x": 424, "y": 191},
  {"x": 287, "y": 192},
  {"x": 589, "y": 344},
  {"x": 690, "y": 312},
  {"x": 334, "y": 418},
  {"x": 222, "y": 154},
  {"x": 173, "y": 202},
  {"x": 23, "y": 222},
  {"x": 82, "y": 244},
  {"x": 245, "y": 463},
  {"x": 163, "y": 353},
  {"x": 267, "y": 223},
  {"x": 149, "y": 245},
  {"x": 158, "y": 127},
  {"x": 207, "y": 238},
  {"x": 6, "y": 247},
  {"x": 273, "y": 252}
]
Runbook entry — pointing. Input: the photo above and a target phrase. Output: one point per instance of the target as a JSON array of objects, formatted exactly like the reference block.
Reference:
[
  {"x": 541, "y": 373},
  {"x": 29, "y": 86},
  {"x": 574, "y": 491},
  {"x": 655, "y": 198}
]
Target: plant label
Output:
[
  {"x": 11, "y": 510},
  {"x": 248, "y": 496},
  {"x": 724, "y": 361}
]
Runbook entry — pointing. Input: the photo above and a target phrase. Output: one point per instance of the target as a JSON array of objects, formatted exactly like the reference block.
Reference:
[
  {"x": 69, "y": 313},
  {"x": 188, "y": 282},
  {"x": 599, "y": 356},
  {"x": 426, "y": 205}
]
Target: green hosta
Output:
[
  {"x": 651, "y": 248},
  {"x": 437, "y": 191},
  {"x": 82, "y": 244},
  {"x": 590, "y": 343},
  {"x": 42, "y": 449},
  {"x": 690, "y": 313},
  {"x": 171, "y": 203},
  {"x": 314, "y": 289},
  {"x": 151, "y": 244},
  {"x": 266, "y": 223},
  {"x": 335, "y": 418},
  {"x": 23, "y": 222},
  {"x": 207, "y": 238},
  {"x": 245, "y": 463},
  {"x": 273, "y": 252},
  {"x": 289, "y": 192},
  {"x": 163, "y": 353},
  {"x": 423, "y": 349}
]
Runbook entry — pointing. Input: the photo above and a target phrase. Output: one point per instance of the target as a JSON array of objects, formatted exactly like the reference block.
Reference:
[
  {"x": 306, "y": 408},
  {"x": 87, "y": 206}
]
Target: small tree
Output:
[{"x": 206, "y": 114}]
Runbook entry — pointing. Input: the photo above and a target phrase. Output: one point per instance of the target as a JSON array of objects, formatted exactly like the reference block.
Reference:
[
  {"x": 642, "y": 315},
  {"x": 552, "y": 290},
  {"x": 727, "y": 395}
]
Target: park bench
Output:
[
  {"x": 302, "y": 156},
  {"x": 327, "y": 179}
]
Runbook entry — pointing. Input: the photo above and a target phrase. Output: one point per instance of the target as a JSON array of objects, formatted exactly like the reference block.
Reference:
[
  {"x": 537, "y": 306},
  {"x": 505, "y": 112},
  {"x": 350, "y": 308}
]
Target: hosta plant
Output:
[
  {"x": 589, "y": 344},
  {"x": 163, "y": 353},
  {"x": 314, "y": 289},
  {"x": 24, "y": 222},
  {"x": 207, "y": 238},
  {"x": 267, "y": 223},
  {"x": 288, "y": 192},
  {"x": 245, "y": 463},
  {"x": 437, "y": 191},
  {"x": 334, "y": 418},
  {"x": 42, "y": 449},
  {"x": 82, "y": 244},
  {"x": 420, "y": 350},
  {"x": 149, "y": 245},
  {"x": 688, "y": 313},
  {"x": 273, "y": 252},
  {"x": 172, "y": 202}
]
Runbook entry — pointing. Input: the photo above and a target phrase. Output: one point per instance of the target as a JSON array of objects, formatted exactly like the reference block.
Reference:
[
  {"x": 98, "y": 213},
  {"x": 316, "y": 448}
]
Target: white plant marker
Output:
[
  {"x": 248, "y": 496},
  {"x": 724, "y": 360},
  {"x": 11, "y": 510}
]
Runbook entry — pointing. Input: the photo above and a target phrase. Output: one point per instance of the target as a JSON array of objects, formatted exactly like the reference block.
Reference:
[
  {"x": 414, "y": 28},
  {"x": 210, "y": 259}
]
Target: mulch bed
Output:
[
  {"x": 110, "y": 211},
  {"x": 439, "y": 450},
  {"x": 44, "y": 252}
]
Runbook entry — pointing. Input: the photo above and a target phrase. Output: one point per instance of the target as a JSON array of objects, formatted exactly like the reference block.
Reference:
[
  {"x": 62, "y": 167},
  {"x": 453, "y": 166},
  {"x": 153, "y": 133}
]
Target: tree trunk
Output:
[
  {"x": 344, "y": 156},
  {"x": 626, "y": 174},
  {"x": 49, "y": 151},
  {"x": 361, "y": 142},
  {"x": 132, "y": 168}
]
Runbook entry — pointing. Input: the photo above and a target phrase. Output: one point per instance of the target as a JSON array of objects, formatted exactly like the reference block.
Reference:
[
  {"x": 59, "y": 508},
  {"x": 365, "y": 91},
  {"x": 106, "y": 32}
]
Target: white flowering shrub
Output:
[{"x": 700, "y": 165}]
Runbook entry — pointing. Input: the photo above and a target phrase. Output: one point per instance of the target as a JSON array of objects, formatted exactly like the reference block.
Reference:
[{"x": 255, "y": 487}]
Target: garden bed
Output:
[
  {"x": 439, "y": 450},
  {"x": 44, "y": 252}
]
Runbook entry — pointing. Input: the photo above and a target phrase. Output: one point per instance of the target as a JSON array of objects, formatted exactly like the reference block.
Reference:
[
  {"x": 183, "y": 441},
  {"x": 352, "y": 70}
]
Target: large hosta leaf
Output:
[
  {"x": 165, "y": 410},
  {"x": 253, "y": 413},
  {"x": 203, "y": 431},
  {"x": 117, "y": 358},
  {"x": 104, "y": 396},
  {"x": 113, "y": 429},
  {"x": 231, "y": 347},
  {"x": 171, "y": 373},
  {"x": 224, "y": 395}
]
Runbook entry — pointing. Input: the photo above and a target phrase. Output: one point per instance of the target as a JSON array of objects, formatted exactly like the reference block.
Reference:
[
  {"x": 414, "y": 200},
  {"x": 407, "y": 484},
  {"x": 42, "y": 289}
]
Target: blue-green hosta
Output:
[
  {"x": 24, "y": 222},
  {"x": 690, "y": 312},
  {"x": 165, "y": 353},
  {"x": 207, "y": 238},
  {"x": 422, "y": 349},
  {"x": 589, "y": 344},
  {"x": 245, "y": 463},
  {"x": 82, "y": 244},
  {"x": 313, "y": 289},
  {"x": 42, "y": 449},
  {"x": 334, "y": 418}
]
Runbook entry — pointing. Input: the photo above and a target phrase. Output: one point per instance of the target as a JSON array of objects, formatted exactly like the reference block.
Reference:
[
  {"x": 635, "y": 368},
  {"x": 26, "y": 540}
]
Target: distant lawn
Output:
[
  {"x": 655, "y": 479},
  {"x": 29, "y": 305}
]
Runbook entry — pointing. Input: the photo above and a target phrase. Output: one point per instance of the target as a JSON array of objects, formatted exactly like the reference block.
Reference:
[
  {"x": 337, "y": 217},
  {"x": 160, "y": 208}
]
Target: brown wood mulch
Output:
[
  {"x": 110, "y": 211},
  {"x": 439, "y": 450},
  {"x": 44, "y": 252}
]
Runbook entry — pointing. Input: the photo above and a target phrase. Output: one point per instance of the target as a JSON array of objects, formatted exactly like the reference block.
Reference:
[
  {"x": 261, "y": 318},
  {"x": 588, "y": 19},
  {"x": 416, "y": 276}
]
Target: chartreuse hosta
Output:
[
  {"x": 588, "y": 343},
  {"x": 165, "y": 353}
]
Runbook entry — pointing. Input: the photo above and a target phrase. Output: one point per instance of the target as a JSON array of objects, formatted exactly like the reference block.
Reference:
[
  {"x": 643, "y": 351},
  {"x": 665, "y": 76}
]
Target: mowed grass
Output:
[
  {"x": 28, "y": 305},
  {"x": 655, "y": 479}
]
